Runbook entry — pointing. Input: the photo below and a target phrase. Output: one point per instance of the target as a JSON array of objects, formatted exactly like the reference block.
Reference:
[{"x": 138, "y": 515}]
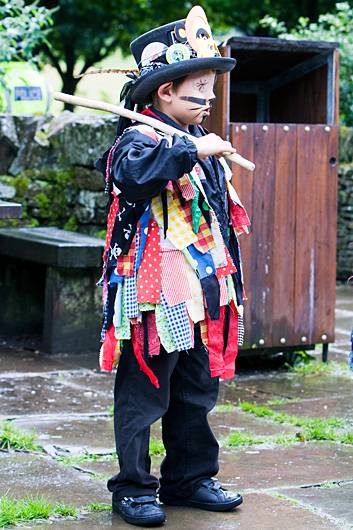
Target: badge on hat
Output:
[
  {"x": 152, "y": 51},
  {"x": 199, "y": 34},
  {"x": 177, "y": 52}
]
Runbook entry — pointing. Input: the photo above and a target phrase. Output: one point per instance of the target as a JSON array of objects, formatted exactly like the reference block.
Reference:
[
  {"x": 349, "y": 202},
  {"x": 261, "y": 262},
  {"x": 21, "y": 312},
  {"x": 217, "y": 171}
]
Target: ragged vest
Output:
[{"x": 167, "y": 267}]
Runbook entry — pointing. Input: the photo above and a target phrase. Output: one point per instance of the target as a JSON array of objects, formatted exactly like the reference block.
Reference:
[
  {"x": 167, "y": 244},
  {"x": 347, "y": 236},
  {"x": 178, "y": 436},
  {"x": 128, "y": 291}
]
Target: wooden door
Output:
[{"x": 290, "y": 255}]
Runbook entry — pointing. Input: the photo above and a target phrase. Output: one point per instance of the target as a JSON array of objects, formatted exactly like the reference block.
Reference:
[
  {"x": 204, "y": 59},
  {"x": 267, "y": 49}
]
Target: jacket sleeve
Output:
[{"x": 141, "y": 168}]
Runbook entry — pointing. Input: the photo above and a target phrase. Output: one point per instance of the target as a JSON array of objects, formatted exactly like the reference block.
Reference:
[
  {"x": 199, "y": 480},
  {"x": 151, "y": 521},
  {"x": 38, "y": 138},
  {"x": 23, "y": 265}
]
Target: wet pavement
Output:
[{"x": 301, "y": 485}]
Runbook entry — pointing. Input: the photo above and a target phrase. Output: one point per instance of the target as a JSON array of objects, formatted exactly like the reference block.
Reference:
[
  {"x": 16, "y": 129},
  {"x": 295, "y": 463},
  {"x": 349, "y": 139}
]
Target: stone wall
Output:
[
  {"x": 345, "y": 206},
  {"x": 47, "y": 164}
]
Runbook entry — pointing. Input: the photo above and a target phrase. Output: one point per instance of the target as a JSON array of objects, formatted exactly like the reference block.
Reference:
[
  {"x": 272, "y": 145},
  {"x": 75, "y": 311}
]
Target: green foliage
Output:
[
  {"x": 101, "y": 234},
  {"x": 310, "y": 368},
  {"x": 13, "y": 438},
  {"x": 224, "y": 408},
  {"x": 99, "y": 507},
  {"x": 240, "y": 439},
  {"x": 156, "y": 447},
  {"x": 86, "y": 457},
  {"x": 22, "y": 29},
  {"x": 71, "y": 224},
  {"x": 331, "y": 27},
  {"x": 328, "y": 429},
  {"x": 14, "y": 511},
  {"x": 262, "y": 411}
]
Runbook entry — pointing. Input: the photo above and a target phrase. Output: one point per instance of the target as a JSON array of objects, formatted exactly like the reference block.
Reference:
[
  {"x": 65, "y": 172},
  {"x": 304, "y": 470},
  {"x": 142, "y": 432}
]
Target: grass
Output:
[
  {"x": 224, "y": 407},
  {"x": 329, "y": 485},
  {"x": 14, "y": 511},
  {"x": 245, "y": 439},
  {"x": 111, "y": 410},
  {"x": 310, "y": 368},
  {"x": 283, "y": 401},
  {"x": 99, "y": 507},
  {"x": 312, "y": 428},
  {"x": 261, "y": 411},
  {"x": 156, "y": 447},
  {"x": 86, "y": 457},
  {"x": 13, "y": 438},
  {"x": 282, "y": 497}
]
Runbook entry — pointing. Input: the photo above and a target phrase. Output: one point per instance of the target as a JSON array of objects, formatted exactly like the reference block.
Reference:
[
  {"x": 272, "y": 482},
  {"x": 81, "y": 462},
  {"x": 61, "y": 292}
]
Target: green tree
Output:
[
  {"x": 85, "y": 31},
  {"x": 22, "y": 29},
  {"x": 331, "y": 27}
]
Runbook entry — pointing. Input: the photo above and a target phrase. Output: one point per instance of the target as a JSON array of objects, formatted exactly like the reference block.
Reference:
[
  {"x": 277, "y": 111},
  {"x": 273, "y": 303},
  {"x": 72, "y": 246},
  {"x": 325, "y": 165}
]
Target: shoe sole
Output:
[
  {"x": 209, "y": 506},
  {"x": 147, "y": 521}
]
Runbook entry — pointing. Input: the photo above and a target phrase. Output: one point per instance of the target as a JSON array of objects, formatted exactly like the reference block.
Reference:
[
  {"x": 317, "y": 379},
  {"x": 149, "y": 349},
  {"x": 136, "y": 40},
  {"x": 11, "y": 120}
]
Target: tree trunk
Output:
[
  {"x": 69, "y": 82},
  {"x": 69, "y": 87}
]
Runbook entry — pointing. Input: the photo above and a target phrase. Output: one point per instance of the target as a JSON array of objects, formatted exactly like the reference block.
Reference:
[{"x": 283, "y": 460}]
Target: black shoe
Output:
[
  {"x": 140, "y": 511},
  {"x": 209, "y": 495}
]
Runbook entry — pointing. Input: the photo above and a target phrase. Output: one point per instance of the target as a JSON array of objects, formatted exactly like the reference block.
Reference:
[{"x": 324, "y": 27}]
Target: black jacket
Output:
[{"x": 141, "y": 169}]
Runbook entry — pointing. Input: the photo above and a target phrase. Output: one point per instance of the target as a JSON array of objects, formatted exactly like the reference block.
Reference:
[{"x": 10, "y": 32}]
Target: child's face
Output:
[{"x": 189, "y": 103}]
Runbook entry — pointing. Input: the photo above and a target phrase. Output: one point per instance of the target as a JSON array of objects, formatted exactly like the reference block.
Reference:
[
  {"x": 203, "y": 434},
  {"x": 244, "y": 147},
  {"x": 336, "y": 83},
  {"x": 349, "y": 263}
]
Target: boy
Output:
[{"x": 173, "y": 291}]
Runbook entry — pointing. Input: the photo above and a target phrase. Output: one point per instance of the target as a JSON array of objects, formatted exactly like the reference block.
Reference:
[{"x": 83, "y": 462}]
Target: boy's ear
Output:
[{"x": 164, "y": 92}]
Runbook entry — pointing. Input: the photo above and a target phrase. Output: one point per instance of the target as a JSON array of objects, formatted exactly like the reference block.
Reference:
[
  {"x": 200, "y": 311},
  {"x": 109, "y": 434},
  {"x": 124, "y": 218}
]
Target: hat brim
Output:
[{"x": 151, "y": 81}]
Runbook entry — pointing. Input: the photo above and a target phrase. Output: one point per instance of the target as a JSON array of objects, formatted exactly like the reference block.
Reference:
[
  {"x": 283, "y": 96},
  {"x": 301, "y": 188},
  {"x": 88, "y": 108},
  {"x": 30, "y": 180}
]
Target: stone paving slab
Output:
[
  {"x": 264, "y": 467},
  {"x": 17, "y": 360},
  {"x": 96, "y": 434},
  {"x": 25, "y": 474},
  {"x": 338, "y": 406},
  {"x": 262, "y": 388},
  {"x": 237, "y": 420},
  {"x": 336, "y": 501},
  {"x": 48, "y": 395},
  {"x": 260, "y": 467},
  {"x": 258, "y": 512}
]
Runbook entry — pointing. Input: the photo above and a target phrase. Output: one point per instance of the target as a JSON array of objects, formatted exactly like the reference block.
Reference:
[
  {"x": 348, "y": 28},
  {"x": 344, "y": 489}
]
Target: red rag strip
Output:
[
  {"x": 215, "y": 344},
  {"x": 109, "y": 346},
  {"x": 239, "y": 217},
  {"x": 114, "y": 208},
  {"x": 139, "y": 357},
  {"x": 222, "y": 363},
  {"x": 231, "y": 352}
]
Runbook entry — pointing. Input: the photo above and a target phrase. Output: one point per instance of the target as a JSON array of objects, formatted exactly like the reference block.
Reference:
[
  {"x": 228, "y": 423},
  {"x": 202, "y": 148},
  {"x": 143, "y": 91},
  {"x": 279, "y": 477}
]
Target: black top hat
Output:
[{"x": 173, "y": 51}]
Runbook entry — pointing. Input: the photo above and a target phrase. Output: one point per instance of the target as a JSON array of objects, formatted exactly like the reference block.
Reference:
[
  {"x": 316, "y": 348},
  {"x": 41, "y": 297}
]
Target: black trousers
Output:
[{"x": 187, "y": 393}]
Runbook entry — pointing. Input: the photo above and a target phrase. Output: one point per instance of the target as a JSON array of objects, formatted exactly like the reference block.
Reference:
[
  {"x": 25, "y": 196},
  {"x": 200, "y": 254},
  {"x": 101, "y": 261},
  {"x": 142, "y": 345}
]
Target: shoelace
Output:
[
  {"x": 215, "y": 485},
  {"x": 147, "y": 499}
]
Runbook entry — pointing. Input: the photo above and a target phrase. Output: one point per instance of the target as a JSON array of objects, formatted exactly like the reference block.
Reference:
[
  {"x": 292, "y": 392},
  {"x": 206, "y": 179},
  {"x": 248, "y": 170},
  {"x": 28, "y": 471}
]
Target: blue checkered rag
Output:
[{"x": 179, "y": 324}]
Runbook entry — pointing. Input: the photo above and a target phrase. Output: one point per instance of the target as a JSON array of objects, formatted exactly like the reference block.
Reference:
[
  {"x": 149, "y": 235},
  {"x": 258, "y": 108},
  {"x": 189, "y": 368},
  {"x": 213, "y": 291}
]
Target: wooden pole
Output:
[{"x": 147, "y": 120}]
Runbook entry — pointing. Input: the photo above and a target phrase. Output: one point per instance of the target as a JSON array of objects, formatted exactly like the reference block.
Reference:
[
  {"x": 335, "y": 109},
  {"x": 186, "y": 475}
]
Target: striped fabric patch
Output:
[
  {"x": 175, "y": 285},
  {"x": 186, "y": 187},
  {"x": 241, "y": 331},
  {"x": 223, "y": 291}
]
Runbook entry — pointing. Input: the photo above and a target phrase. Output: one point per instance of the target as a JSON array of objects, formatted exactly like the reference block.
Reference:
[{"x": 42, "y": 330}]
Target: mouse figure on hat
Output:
[{"x": 172, "y": 278}]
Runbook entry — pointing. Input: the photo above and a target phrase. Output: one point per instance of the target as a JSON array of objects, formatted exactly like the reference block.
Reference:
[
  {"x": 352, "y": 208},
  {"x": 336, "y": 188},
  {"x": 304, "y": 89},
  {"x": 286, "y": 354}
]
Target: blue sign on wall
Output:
[{"x": 28, "y": 93}]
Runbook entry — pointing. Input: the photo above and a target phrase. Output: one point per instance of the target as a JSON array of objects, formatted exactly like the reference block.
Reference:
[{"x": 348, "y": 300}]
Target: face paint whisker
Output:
[{"x": 200, "y": 101}]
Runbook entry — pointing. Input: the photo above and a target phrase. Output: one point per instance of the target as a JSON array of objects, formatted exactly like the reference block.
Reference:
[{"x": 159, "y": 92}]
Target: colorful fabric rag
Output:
[
  {"x": 180, "y": 233},
  {"x": 179, "y": 324},
  {"x": 149, "y": 274},
  {"x": 175, "y": 285}
]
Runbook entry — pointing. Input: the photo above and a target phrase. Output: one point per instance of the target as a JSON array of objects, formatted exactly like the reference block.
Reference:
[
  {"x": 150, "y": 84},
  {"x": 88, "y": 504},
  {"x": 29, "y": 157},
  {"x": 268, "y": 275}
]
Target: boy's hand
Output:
[{"x": 211, "y": 144}]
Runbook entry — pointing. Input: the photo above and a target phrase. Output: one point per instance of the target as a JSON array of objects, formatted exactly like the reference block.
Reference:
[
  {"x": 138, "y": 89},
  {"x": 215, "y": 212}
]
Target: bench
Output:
[{"x": 48, "y": 288}]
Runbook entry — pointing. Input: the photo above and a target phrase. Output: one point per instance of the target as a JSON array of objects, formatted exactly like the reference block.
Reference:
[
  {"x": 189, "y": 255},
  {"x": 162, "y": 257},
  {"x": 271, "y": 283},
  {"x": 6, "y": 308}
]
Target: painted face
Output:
[{"x": 193, "y": 98}]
